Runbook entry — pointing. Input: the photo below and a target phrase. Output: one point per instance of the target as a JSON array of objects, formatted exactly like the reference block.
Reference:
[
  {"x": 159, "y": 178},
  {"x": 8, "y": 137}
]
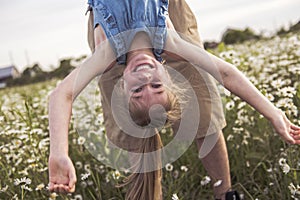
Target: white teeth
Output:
[{"x": 142, "y": 67}]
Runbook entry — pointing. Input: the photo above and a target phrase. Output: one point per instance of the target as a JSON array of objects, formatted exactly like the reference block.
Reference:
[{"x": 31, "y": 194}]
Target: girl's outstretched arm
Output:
[
  {"x": 62, "y": 175},
  {"x": 235, "y": 81}
]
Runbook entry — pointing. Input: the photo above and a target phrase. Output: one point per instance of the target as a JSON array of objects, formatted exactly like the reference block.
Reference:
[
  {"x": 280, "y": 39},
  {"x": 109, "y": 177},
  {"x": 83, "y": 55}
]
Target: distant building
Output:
[{"x": 7, "y": 73}]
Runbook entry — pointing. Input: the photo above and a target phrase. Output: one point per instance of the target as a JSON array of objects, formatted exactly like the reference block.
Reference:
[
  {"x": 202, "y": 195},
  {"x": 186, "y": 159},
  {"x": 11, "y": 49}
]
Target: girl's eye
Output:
[
  {"x": 156, "y": 85},
  {"x": 137, "y": 90}
]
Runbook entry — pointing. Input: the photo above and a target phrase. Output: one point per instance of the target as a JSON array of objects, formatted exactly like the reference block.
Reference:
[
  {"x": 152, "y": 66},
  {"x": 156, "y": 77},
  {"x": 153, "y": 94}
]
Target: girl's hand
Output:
[
  {"x": 287, "y": 130},
  {"x": 62, "y": 176}
]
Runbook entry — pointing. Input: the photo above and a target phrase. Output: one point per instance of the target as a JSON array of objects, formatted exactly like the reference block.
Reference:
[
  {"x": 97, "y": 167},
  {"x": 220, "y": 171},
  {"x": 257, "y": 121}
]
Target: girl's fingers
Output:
[
  {"x": 60, "y": 188},
  {"x": 290, "y": 140},
  {"x": 296, "y": 137},
  {"x": 287, "y": 136},
  {"x": 72, "y": 189},
  {"x": 297, "y": 141},
  {"x": 51, "y": 186},
  {"x": 72, "y": 181},
  {"x": 295, "y": 131},
  {"x": 295, "y": 128}
]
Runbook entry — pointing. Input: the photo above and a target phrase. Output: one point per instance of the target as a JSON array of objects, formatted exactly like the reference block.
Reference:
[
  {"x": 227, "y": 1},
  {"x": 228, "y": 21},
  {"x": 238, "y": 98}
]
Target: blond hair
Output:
[{"x": 147, "y": 185}]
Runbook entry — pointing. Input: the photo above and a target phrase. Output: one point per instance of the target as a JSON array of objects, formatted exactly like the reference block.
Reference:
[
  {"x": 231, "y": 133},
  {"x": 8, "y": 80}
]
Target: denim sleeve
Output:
[{"x": 90, "y": 2}]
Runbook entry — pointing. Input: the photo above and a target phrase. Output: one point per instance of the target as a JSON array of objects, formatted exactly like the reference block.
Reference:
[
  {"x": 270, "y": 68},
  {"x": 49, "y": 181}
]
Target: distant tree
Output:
[
  {"x": 34, "y": 73},
  {"x": 232, "y": 36},
  {"x": 295, "y": 27},
  {"x": 33, "y": 70},
  {"x": 282, "y": 31},
  {"x": 31, "y": 74},
  {"x": 65, "y": 67},
  {"x": 211, "y": 44}
]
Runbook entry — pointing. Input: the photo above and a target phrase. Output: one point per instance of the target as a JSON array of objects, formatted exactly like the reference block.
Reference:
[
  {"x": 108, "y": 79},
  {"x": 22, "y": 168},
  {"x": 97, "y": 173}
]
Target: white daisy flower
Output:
[
  {"x": 206, "y": 180},
  {"x": 80, "y": 140},
  {"x": 285, "y": 168},
  {"x": 184, "y": 168},
  {"x": 175, "y": 197},
  {"x": 230, "y": 105},
  {"x": 85, "y": 176},
  {"x": 282, "y": 161},
  {"x": 218, "y": 183},
  {"x": 169, "y": 167},
  {"x": 40, "y": 186}
]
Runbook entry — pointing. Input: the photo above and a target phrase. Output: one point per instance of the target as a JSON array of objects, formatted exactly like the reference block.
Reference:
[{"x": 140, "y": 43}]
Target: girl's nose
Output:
[{"x": 145, "y": 77}]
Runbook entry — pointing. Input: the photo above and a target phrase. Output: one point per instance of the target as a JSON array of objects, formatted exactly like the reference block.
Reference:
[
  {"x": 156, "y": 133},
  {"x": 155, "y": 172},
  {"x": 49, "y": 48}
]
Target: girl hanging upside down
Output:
[{"x": 138, "y": 34}]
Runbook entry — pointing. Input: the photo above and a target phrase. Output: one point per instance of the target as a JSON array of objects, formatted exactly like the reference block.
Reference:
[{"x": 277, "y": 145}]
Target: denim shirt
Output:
[{"x": 122, "y": 19}]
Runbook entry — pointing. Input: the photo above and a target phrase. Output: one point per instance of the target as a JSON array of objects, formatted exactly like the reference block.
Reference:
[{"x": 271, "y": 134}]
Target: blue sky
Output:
[{"x": 46, "y": 31}]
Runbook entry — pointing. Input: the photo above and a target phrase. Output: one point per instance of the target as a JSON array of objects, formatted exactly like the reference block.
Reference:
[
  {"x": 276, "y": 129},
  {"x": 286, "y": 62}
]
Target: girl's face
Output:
[{"x": 144, "y": 79}]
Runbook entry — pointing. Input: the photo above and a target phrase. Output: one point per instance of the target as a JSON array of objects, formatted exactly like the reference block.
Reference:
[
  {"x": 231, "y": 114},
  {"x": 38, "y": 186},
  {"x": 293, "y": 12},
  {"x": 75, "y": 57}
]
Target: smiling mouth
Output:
[{"x": 143, "y": 67}]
